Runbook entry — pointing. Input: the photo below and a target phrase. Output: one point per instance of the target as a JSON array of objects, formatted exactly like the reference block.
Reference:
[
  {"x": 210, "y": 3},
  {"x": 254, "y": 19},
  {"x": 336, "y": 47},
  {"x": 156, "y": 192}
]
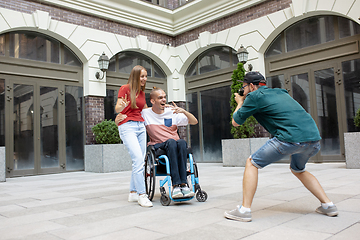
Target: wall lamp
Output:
[
  {"x": 243, "y": 55},
  {"x": 103, "y": 65}
]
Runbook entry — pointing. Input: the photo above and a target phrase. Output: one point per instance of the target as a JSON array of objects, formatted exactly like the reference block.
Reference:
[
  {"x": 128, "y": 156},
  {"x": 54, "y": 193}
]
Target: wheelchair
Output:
[{"x": 157, "y": 164}]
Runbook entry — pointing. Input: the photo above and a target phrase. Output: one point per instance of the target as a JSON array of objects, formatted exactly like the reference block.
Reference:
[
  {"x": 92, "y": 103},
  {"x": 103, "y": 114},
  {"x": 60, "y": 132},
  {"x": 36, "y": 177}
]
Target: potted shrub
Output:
[
  {"x": 108, "y": 154},
  {"x": 352, "y": 150},
  {"x": 236, "y": 151}
]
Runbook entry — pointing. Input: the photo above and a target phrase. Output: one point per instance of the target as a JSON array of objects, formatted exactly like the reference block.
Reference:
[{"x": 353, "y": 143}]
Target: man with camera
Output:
[{"x": 295, "y": 134}]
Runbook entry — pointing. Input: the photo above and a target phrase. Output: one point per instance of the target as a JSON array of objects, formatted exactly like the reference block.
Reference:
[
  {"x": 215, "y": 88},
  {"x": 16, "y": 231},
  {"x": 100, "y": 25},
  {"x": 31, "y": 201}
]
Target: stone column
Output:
[{"x": 94, "y": 114}]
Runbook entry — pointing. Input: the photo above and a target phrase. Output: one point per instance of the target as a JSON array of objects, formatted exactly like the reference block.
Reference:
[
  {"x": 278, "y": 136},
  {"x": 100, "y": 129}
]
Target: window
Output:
[
  {"x": 213, "y": 59},
  {"x": 124, "y": 62}
]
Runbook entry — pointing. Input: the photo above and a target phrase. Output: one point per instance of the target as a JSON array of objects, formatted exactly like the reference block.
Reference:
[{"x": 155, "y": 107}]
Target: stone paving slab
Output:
[{"x": 85, "y": 205}]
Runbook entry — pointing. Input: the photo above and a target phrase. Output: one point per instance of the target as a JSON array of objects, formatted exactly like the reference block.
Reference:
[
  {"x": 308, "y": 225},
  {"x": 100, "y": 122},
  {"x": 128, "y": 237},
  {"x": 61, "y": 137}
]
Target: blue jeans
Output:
[
  {"x": 177, "y": 154},
  {"x": 274, "y": 150},
  {"x": 133, "y": 134}
]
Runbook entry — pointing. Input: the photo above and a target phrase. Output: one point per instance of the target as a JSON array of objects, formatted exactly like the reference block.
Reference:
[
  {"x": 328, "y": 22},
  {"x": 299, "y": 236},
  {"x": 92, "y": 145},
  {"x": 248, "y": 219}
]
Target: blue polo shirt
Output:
[{"x": 279, "y": 114}]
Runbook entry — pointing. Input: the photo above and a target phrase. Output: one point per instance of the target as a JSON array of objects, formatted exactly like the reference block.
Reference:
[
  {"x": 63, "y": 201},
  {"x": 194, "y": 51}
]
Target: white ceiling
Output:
[{"x": 149, "y": 16}]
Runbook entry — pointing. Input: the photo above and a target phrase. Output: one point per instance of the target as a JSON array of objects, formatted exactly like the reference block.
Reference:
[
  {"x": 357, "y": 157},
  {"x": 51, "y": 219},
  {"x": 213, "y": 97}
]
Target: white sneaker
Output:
[
  {"x": 144, "y": 201},
  {"x": 133, "y": 197}
]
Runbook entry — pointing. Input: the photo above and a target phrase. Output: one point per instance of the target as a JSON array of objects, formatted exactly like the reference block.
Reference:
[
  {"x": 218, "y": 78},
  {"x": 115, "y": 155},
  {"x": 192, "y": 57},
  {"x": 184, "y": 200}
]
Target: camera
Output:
[{"x": 241, "y": 92}]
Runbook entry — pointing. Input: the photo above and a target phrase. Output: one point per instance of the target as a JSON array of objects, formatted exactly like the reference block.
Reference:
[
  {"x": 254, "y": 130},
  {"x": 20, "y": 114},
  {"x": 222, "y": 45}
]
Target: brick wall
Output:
[
  {"x": 235, "y": 19},
  {"x": 94, "y": 114},
  {"x": 81, "y": 19}
]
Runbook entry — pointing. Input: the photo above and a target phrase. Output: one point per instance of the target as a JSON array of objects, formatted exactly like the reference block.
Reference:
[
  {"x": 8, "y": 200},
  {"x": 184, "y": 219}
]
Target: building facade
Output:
[{"x": 50, "y": 95}]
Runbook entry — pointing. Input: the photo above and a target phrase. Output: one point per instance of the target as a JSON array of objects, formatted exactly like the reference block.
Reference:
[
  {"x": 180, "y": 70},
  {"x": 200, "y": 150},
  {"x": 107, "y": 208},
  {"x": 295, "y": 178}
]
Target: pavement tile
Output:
[
  {"x": 351, "y": 232},
  {"x": 26, "y": 230}
]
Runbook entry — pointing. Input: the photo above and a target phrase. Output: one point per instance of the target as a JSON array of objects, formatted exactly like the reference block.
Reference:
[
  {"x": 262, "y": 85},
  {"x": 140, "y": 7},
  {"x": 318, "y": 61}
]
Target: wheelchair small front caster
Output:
[
  {"x": 165, "y": 200},
  {"x": 201, "y": 196}
]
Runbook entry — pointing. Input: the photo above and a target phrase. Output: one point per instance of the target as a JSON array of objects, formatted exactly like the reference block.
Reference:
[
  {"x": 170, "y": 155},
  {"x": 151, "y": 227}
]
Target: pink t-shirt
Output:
[{"x": 162, "y": 127}]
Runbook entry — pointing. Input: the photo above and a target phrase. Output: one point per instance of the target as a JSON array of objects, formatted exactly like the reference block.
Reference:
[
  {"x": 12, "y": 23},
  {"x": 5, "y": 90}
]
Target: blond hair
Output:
[{"x": 135, "y": 85}]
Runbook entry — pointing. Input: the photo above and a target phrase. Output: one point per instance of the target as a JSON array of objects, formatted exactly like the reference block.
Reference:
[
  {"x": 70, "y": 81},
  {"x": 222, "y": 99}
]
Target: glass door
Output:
[
  {"x": 327, "y": 84},
  {"x": 33, "y": 128}
]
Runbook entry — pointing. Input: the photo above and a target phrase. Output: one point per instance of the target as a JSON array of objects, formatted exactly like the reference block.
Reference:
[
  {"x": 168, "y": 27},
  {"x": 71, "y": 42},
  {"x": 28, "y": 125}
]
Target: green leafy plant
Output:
[
  {"x": 357, "y": 118},
  {"x": 106, "y": 132},
  {"x": 246, "y": 130}
]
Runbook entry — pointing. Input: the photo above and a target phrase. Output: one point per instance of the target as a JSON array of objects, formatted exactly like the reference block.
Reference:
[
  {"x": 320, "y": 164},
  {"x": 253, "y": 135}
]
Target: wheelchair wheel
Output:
[
  {"x": 165, "y": 200},
  {"x": 149, "y": 174},
  {"x": 201, "y": 196}
]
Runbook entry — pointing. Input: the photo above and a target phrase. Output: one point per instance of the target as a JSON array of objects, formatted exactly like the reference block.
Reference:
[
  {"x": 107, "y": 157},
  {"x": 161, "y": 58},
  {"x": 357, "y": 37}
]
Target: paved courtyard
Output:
[{"x": 83, "y": 205}]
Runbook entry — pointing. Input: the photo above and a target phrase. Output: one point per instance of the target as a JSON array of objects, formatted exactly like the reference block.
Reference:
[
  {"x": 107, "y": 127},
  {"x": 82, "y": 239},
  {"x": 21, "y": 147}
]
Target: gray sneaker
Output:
[
  {"x": 330, "y": 211},
  {"x": 237, "y": 215},
  {"x": 187, "y": 192},
  {"x": 176, "y": 193}
]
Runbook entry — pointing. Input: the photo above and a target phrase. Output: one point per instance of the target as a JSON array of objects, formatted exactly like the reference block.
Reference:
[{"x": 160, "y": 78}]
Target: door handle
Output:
[
  {"x": 62, "y": 101},
  {"x": 338, "y": 82},
  {"x": 8, "y": 98},
  {"x": 62, "y": 165}
]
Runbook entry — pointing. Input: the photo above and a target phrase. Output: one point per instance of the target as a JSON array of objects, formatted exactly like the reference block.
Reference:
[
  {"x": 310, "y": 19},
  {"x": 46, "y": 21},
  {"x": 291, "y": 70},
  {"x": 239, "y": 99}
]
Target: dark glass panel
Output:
[
  {"x": 23, "y": 127},
  {"x": 276, "y": 81},
  {"x": 214, "y": 59},
  {"x": 215, "y": 110},
  {"x": 347, "y": 27},
  {"x": 275, "y": 48},
  {"x": 74, "y": 128},
  {"x": 351, "y": 76},
  {"x": 49, "y": 145},
  {"x": 327, "y": 113}
]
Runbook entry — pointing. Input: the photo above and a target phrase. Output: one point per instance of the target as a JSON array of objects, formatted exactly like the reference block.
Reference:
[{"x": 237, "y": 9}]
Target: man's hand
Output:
[
  {"x": 238, "y": 98},
  {"x": 177, "y": 109},
  {"x": 119, "y": 118}
]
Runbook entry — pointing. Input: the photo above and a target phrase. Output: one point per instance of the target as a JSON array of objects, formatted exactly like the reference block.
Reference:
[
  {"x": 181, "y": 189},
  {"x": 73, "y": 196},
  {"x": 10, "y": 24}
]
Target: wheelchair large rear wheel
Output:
[{"x": 150, "y": 174}]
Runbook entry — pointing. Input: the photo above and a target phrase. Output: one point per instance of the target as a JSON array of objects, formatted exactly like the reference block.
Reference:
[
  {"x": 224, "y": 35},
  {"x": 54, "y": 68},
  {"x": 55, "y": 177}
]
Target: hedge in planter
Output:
[
  {"x": 246, "y": 130},
  {"x": 106, "y": 132}
]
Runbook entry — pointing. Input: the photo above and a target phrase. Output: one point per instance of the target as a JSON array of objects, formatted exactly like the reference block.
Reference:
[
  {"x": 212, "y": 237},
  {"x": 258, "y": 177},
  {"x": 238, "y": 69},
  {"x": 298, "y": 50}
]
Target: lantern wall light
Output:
[
  {"x": 243, "y": 55},
  {"x": 103, "y": 65}
]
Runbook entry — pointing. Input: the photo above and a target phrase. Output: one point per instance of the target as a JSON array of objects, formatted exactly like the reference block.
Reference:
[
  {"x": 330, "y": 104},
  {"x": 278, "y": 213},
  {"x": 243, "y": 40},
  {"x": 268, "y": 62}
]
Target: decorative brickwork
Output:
[
  {"x": 260, "y": 131},
  {"x": 235, "y": 19},
  {"x": 94, "y": 114},
  {"x": 81, "y": 19}
]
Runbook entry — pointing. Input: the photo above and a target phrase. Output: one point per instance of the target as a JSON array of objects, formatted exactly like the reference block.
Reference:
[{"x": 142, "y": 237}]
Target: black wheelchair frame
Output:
[{"x": 155, "y": 161}]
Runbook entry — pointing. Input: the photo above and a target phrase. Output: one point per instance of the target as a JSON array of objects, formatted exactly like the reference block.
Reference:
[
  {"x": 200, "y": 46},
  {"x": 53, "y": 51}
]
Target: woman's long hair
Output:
[{"x": 134, "y": 84}]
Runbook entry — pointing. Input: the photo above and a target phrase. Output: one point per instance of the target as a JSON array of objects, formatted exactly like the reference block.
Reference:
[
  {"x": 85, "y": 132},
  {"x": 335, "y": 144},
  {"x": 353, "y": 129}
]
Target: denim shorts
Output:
[{"x": 274, "y": 150}]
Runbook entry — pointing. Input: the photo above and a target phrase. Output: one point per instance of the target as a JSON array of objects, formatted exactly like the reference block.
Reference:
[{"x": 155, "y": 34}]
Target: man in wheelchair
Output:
[{"x": 161, "y": 124}]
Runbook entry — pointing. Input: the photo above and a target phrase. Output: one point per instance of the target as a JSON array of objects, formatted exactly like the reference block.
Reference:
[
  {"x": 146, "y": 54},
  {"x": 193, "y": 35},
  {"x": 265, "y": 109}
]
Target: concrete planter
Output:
[
  {"x": 2, "y": 164},
  {"x": 352, "y": 149},
  {"x": 103, "y": 158},
  {"x": 236, "y": 151}
]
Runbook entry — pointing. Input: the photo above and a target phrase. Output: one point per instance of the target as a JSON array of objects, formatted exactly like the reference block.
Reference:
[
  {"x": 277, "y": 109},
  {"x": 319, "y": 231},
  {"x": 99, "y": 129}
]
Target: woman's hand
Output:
[{"x": 119, "y": 118}]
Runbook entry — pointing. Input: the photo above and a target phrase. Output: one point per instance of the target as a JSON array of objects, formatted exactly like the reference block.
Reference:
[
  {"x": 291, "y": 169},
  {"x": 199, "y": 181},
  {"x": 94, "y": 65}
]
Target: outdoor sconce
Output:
[
  {"x": 103, "y": 65},
  {"x": 242, "y": 55}
]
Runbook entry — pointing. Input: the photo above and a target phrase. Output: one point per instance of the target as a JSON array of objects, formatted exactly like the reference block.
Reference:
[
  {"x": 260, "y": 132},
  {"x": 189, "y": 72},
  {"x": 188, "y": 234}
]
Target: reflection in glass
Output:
[
  {"x": 194, "y": 139},
  {"x": 128, "y": 60},
  {"x": 215, "y": 110},
  {"x": 70, "y": 58},
  {"x": 347, "y": 27},
  {"x": 310, "y": 32},
  {"x": 276, "y": 81},
  {"x": 327, "y": 113},
  {"x": 74, "y": 123},
  {"x": 275, "y": 47},
  {"x": 2, "y": 45},
  {"x": 33, "y": 46},
  {"x": 23, "y": 127},
  {"x": 300, "y": 90},
  {"x": 2, "y": 112},
  {"x": 191, "y": 71},
  {"x": 49, "y": 145},
  {"x": 109, "y": 104},
  {"x": 351, "y": 76},
  {"x": 214, "y": 59},
  {"x": 158, "y": 72},
  {"x": 112, "y": 64}
]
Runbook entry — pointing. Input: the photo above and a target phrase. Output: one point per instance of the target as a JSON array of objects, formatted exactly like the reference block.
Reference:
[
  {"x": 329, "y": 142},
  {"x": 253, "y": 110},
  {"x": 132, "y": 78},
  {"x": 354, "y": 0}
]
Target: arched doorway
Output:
[
  {"x": 317, "y": 60},
  {"x": 37, "y": 73}
]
